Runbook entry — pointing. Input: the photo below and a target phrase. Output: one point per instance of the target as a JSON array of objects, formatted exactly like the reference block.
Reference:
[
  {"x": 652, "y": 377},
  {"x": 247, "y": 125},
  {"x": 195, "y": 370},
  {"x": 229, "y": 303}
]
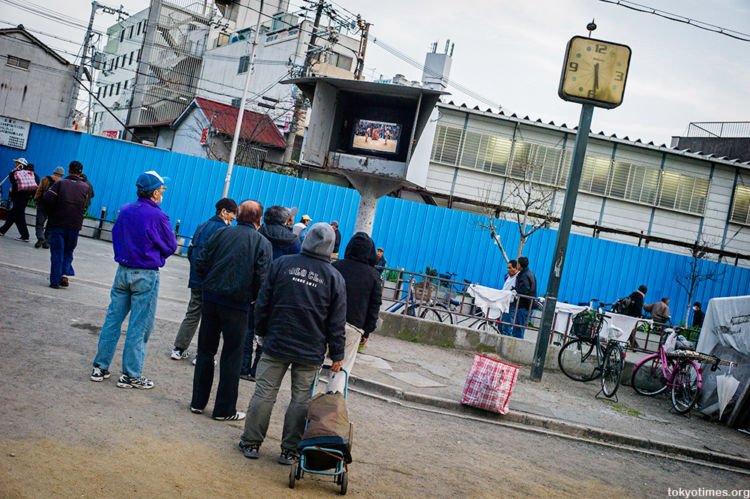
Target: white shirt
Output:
[{"x": 510, "y": 283}]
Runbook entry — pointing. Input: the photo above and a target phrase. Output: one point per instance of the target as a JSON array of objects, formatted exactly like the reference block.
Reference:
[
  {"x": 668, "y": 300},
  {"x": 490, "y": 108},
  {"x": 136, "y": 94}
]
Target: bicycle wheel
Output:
[
  {"x": 579, "y": 360},
  {"x": 648, "y": 376},
  {"x": 437, "y": 313},
  {"x": 685, "y": 386},
  {"x": 611, "y": 369}
]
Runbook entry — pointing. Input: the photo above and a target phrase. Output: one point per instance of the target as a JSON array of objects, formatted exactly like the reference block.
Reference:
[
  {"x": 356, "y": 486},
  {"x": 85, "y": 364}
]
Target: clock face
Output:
[{"x": 595, "y": 72}]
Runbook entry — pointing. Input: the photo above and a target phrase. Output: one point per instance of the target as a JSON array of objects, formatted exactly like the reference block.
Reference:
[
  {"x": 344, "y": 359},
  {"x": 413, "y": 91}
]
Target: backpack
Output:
[
  {"x": 25, "y": 180},
  {"x": 622, "y": 305}
]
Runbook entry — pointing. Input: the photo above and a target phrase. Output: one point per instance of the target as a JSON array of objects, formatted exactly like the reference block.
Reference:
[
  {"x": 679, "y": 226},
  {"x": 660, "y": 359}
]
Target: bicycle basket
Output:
[
  {"x": 586, "y": 325},
  {"x": 423, "y": 291}
]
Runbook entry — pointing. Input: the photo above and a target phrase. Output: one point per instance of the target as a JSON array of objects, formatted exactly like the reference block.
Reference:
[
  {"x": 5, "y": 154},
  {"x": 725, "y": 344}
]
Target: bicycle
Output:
[
  {"x": 445, "y": 309},
  {"x": 678, "y": 371},
  {"x": 585, "y": 357}
]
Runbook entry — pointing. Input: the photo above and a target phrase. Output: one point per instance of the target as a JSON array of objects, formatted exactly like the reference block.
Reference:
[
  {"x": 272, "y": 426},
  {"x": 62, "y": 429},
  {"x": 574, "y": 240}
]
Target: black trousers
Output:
[
  {"x": 17, "y": 214},
  {"x": 219, "y": 321}
]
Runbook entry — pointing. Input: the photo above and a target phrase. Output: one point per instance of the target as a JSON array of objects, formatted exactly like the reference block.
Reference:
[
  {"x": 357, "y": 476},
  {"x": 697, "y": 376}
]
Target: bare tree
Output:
[
  {"x": 697, "y": 273},
  {"x": 526, "y": 202}
]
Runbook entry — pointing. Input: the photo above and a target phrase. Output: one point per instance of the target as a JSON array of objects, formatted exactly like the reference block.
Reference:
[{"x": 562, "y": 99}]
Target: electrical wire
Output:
[
  {"x": 680, "y": 18},
  {"x": 463, "y": 89}
]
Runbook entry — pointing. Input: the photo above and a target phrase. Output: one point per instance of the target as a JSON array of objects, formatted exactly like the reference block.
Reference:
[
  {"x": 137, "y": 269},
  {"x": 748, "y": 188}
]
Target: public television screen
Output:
[{"x": 376, "y": 136}]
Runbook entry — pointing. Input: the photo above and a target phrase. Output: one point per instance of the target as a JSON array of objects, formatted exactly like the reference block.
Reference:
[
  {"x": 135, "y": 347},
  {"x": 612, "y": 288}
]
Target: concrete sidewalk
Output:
[{"x": 434, "y": 375}]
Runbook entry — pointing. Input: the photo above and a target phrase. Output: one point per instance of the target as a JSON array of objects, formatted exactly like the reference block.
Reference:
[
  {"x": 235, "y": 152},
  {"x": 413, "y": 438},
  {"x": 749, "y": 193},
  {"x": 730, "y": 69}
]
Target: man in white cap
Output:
[
  {"x": 22, "y": 187},
  {"x": 300, "y": 229},
  {"x": 142, "y": 239}
]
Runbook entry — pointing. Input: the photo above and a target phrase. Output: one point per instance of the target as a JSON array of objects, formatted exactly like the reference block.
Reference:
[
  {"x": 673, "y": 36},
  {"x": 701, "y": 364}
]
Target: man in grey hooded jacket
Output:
[{"x": 300, "y": 311}]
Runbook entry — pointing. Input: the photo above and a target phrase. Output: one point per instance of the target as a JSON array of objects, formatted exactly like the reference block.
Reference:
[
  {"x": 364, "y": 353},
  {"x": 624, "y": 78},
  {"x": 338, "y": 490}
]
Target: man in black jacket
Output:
[
  {"x": 635, "y": 307},
  {"x": 526, "y": 287},
  {"x": 300, "y": 311},
  {"x": 233, "y": 265},
  {"x": 364, "y": 291},
  {"x": 65, "y": 203},
  {"x": 284, "y": 242}
]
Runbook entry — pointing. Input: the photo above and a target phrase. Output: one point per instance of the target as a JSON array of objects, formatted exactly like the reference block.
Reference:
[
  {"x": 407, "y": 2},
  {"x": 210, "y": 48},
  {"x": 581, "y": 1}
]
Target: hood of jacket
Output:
[
  {"x": 278, "y": 235},
  {"x": 361, "y": 248},
  {"x": 319, "y": 241}
]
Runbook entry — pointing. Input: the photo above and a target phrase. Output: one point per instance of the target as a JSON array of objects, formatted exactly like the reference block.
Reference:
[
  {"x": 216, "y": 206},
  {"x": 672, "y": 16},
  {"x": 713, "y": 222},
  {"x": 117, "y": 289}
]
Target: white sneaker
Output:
[{"x": 178, "y": 354}]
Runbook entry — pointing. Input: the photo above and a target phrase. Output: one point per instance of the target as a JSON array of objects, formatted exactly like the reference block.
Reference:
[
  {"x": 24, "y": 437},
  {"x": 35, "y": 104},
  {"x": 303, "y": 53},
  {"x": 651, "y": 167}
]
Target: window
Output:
[
  {"x": 117, "y": 92},
  {"x": 122, "y": 35},
  {"x": 236, "y": 102},
  {"x": 130, "y": 32},
  {"x": 683, "y": 192},
  {"x": 485, "y": 152},
  {"x": 17, "y": 62},
  {"x": 117, "y": 62},
  {"x": 595, "y": 174},
  {"x": 244, "y": 64},
  {"x": 634, "y": 182},
  {"x": 111, "y": 64},
  {"x": 98, "y": 92},
  {"x": 125, "y": 86},
  {"x": 140, "y": 53},
  {"x": 340, "y": 61},
  {"x": 140, "y": 24},
  {"x": 446, "y": 145},
  {"x": 741, "y": 205},
  {"x": 130, "y": 61}
]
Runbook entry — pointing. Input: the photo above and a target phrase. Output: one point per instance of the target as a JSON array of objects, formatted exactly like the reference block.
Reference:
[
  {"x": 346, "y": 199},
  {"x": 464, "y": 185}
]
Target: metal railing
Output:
[{"x": 723, "y": 129}]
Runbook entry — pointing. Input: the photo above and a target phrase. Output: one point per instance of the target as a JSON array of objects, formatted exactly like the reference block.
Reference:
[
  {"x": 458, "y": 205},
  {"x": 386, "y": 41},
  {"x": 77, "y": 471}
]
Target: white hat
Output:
[{"x": 22, "y": 161}]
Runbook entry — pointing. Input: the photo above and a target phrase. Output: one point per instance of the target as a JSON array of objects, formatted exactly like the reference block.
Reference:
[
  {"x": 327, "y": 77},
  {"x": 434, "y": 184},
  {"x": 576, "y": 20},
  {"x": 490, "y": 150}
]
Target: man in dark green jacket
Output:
[{"x": 233, "y": 265}]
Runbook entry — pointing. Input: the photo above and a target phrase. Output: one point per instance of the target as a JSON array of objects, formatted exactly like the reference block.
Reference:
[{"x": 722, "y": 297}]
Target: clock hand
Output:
[{"x": 596, "y": 78}]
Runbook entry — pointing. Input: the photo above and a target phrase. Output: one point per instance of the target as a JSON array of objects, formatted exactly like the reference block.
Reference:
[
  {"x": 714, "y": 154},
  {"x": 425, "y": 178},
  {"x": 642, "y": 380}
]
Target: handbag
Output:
[{"x": 489, "y": 384}]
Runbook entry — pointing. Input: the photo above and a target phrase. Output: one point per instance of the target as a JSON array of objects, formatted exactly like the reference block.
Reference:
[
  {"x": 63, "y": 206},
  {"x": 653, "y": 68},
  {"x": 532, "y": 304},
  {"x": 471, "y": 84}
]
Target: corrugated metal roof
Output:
[
  {"x": 256, "y": 127},
  {"x": 597, "y": 135}
]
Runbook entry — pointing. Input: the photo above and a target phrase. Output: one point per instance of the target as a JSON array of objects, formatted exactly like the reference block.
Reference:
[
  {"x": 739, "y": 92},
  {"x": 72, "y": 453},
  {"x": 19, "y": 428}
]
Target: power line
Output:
[
  {"x": 680, "y": 19},
  {"x": 451, "y": 83}
]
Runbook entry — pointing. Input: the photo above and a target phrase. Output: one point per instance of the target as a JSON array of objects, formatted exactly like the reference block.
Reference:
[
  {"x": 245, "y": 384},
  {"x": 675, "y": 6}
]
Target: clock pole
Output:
[{"x": 561, "y": 245}]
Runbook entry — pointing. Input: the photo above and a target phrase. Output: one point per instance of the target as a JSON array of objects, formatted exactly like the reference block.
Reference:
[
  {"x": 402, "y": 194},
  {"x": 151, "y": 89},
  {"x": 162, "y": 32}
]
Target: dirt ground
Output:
[{"x": 64, "y": 436}]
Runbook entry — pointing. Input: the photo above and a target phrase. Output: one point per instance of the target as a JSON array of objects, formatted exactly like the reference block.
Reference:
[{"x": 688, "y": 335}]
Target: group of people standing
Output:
[
  {"x": 61, "y": 205},
  {"x": 254, "y": 283}
]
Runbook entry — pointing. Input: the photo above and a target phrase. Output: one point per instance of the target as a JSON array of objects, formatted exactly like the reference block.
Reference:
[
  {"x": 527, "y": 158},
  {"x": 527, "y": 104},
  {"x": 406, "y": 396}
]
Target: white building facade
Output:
[
  {"x": 630, "y": 186},
  {"x": 36, "y": 83}
]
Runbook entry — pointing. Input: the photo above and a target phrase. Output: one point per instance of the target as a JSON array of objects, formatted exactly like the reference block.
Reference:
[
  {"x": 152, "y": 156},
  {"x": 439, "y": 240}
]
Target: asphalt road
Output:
[{"x": 62, "y": 435}]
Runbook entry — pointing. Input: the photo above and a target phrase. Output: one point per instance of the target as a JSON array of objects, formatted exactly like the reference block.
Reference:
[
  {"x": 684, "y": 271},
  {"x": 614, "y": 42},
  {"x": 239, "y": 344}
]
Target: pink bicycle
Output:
[{"x": 679, "y": 371}]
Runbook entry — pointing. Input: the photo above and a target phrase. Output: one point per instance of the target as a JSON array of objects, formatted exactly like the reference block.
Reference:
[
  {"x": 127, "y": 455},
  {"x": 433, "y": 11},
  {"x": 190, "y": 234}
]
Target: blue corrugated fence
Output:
[{"x": 414, "y": 235}]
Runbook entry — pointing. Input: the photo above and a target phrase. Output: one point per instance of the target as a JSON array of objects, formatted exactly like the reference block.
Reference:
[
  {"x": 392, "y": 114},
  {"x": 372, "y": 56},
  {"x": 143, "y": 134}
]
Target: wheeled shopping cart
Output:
[{"x": 325, "y": 448}]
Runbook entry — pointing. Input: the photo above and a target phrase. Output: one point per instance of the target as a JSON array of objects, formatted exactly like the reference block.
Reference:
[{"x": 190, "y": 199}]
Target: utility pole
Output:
[
  {"x": 364, "y": 26},
  {"x": 313, "y": 37},
  {"x": 241, "y": 113},
  {"x": 85, "y": 50}
]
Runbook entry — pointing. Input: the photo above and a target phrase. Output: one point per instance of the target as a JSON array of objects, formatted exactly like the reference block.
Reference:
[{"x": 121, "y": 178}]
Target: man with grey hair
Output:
[
  {"x": 233, "y": 264},
  {"x": 301, "y": 311}
]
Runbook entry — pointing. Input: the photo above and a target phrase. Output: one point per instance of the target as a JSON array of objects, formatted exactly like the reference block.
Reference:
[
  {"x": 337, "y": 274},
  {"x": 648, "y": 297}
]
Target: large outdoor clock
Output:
[{"x": 595, "y": 72}]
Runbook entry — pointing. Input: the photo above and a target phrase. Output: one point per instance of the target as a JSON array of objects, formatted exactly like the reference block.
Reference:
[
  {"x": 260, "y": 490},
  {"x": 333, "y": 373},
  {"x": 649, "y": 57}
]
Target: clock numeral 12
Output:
[{"x": 601, "y": 48}]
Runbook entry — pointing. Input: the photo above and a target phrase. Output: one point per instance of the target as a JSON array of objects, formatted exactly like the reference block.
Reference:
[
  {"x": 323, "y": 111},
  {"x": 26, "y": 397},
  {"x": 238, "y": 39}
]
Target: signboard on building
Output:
[
  {"x": 112, "y": 134},
  {"x": 204, "y": 135},
  {"x": 14, "y": 133}
]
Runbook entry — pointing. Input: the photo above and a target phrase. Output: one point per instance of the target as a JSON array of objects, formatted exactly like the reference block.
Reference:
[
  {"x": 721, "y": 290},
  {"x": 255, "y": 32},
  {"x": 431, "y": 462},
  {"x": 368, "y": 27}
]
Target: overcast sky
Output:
[{"x": 511, "y": 51}]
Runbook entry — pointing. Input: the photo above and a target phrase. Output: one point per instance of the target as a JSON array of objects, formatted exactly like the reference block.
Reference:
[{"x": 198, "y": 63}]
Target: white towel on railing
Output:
[{"x": 492, "y": 302}]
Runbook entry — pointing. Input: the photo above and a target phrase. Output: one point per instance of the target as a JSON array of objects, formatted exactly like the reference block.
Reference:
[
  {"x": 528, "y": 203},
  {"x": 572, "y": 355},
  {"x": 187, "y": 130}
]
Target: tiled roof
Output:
[{"x": 256, "y": 127}]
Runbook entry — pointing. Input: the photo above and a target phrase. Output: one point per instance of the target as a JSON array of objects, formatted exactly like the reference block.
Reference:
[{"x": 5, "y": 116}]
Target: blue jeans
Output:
[
  {"x": 521, "y": 318},
  {"x": 62, "y": 242},
  {"x": 134, "y": 291}
]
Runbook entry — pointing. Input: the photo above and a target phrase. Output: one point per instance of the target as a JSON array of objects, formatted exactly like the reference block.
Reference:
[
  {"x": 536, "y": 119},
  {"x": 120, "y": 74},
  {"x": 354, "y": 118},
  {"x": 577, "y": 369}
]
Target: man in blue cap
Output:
[{"x": 142, "y": 239}]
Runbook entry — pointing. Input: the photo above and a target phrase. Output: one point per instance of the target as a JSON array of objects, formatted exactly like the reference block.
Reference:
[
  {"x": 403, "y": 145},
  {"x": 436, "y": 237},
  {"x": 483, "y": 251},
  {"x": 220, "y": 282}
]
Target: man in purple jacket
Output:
[{"x": 142, "y": 239}]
